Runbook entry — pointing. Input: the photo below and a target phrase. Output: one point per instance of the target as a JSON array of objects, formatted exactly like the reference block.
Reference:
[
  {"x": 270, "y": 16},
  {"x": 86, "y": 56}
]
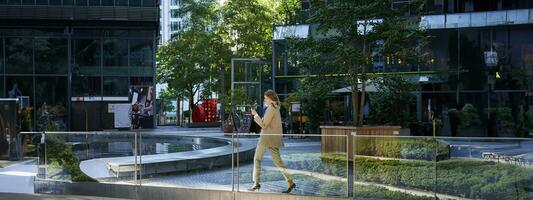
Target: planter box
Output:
[{"x": 338, "y": 144}]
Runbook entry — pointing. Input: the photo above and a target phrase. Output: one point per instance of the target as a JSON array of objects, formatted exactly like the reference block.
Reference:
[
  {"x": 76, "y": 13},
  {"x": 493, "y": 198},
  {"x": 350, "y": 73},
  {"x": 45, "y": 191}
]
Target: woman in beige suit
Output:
[{"x": 270, "y": 138}]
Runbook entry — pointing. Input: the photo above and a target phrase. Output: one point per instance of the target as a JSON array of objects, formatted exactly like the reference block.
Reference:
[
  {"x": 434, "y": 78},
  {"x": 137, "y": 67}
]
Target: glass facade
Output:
[
  {"x": 459, "y": 75},
  {"x": 101, "y": 63}
]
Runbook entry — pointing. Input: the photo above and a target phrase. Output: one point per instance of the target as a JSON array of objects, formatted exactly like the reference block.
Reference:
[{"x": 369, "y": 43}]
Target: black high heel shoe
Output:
[
  {"x": 256, "y": 187},
  {"x": 289, "y": 190}
]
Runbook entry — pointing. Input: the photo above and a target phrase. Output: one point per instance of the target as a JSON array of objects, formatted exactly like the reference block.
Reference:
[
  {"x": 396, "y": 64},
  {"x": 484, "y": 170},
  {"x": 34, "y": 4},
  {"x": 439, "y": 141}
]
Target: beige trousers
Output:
[{"x": 274, "y": 151}]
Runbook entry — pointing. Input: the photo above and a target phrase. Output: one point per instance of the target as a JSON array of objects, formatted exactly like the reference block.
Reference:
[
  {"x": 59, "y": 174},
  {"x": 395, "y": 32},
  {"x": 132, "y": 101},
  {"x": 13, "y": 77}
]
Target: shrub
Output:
[{"x": 60, "y": 153}]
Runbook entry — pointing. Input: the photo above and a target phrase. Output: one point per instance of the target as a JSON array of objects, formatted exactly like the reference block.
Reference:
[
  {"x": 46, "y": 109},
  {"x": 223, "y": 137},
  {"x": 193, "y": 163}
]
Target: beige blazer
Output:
[{"x": 270, "y": 124}]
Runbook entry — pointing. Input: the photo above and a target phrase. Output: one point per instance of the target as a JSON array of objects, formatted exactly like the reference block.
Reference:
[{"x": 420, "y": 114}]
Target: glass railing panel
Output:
[
  {"x": 389, "y": 167},
  {"x": 88, "y": 157},
  {"x": 317, "y": 164},
  {"x": 487, "y": 168},
  {"x": 181, "y": 160}
]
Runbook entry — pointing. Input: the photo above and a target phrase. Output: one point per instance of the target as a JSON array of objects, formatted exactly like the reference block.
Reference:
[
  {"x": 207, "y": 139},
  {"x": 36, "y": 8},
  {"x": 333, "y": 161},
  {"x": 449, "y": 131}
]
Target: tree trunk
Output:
[
  {"x": 191, "y": 104},
  {"x": 178, "y": 113},
  {"x": 355, "y": 102},
  {"x": 222, "y": 92},
  {"x": 363, "y": 84},
  {"x": 362, "y": 104}
]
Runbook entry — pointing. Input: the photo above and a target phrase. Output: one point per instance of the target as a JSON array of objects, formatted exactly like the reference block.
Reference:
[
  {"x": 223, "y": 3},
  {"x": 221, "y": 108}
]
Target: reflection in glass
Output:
[
  {"x": 50, "y": 56},
  {"x": 115, "y": 56},
  {"x": 148, "y": 3},
  {"x": 22, "y": 86},
  {"x": 116, "y": 86},
  {"x": 86, "y": 59},
  {"x": 482, "y": 169},
  {"x": 19, "y": 55},
  {"x": 141, "y": 57},
  {"x": 50, "y": 101},
  {"x": 86, "y": 86},
  {"x": 398, "y": 163}
]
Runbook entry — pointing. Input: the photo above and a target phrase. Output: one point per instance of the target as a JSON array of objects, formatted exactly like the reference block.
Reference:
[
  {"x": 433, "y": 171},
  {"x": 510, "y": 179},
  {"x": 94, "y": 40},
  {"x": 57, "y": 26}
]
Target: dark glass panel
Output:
[
  {"x": 86, "y": 57},
  {"x": 19, "y": 56},
  {"x": 50, "y": 56},
  {"x": 116, "y": 86}
]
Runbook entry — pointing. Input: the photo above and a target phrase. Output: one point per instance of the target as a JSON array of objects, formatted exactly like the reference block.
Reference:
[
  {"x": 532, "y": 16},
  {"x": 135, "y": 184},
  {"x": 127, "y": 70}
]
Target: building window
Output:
[
  {"x": 41, "y": 2},
  {"x": 81, "y": 2},
  {"x": 50, "y": 56},
  {"x": 121, "y": 2},
  {"x": 149, "y": 3},
  {"x": 94, "y": 2},
  {"x": 86, "y": 86},
  {"x": 175, "y": 13},
  {"x": 55, "y": 2},
  {"x": 175, "y": 2},
  {"x": 175, "y": 26},
  {"x": 135, "y": 3},
  {"x": 115, "y": 56},
  {"x": 141, "y": 57},
  {"x": 116, "y": 86},
  {"x": 19, "y": 56},
  {"x": 86, "y": 59}
]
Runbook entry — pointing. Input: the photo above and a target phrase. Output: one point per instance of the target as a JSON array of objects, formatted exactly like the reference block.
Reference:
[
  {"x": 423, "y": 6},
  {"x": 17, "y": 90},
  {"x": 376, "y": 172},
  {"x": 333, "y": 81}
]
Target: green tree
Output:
[
  {"x": 312, "y": 93},
  {"x": 186, "y": 62},
  {"x": 392, "y": 101},
  {"x": 351, "y": 35},
  {"x": 248, "y": 25}
]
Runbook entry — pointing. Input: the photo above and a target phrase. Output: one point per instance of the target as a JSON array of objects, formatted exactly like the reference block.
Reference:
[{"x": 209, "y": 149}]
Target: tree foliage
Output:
[
  {"x": 198, "y": 59},
  {"x": 351, "y": 35},
  {"x": 393, "y": 101}
]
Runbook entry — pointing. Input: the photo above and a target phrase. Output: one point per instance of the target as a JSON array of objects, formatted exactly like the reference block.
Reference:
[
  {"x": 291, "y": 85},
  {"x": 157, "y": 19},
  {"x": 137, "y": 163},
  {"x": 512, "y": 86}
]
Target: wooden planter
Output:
[{"x": 337, "y": 144}]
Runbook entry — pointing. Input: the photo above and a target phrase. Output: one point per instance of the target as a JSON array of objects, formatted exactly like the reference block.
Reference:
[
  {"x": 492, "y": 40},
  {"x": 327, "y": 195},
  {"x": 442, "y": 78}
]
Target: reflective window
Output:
[
  {"x": 86, "y": 56},
  {"x": 19, "y": 86},
  {"x": 86, "y": 86},
  {"x": 14, "y": 2},
  {"x": 55, "y": 2},
  {"x": 95, "y": 2},
  {"x": 115, "y": 86},
  {"x": 108, "y": 3},
  {"x": 2, "y": 94},
  {"x": 1, "y": 58},
  {"x": 135, "y": 3},
  {"x": 81, "y": 2},
  {"x": 115, "y": 57},
  {"x": 121, "y": 2},
  {"x": 19, "y": 55},
  {"x": 22, "y": 86},
  {"x": 68, "y": 2},
  {"x": 41, "y": 2},
  {"x": 141, "y": 57},
  {"x": 50, "y": 56},
  {"x": 51, "y": 97},
  {"x": 149, "y": 3}
]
